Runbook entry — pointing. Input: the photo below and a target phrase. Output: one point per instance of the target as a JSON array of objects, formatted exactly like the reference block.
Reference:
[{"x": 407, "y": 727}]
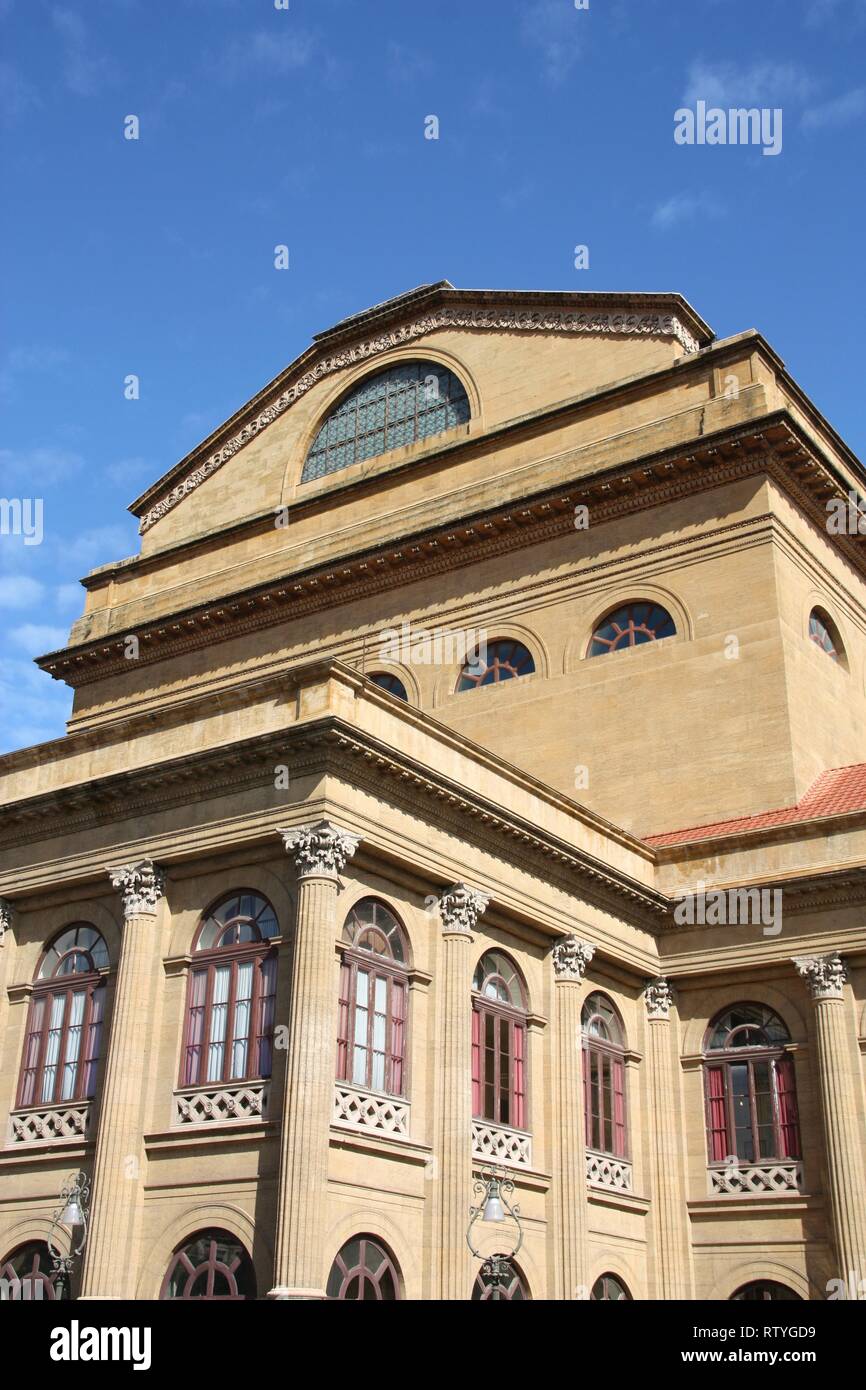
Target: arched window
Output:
[
  {"x": 631, "y": 625},
  {"x": 231, "y": 993},
  {"x": 28, "y": 1273},
  {"x": 501, "y": 660},
  {"x": 211, "y": 1264},
  {"x": 604, "y": 1101},
  {"x": 364, "y": 1272},
  {"x": 608, "y": 1289},
  {"x": 64, "y": 1023},
  {"x": 765, "y": 1291},
  {"x": 751, "y": 1099},
  {"x": 825, "y": 634},
  {"x": 499, "y": 1011},
  {"x": 387, "y": 681},
  {"x": 513, "y": 1290},
  {"x": 407, "y": 403},
  {"x": 371, "y": 1034}
]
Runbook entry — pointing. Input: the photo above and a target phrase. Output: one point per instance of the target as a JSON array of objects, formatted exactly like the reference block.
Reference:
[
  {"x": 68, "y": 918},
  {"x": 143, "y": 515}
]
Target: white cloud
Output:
[
  {"x": 37, "y": 638},
  {"x": 83, "y": 70},
  {"x": 281, "y": 51},
  {"x": 70, "y": 596},
  {"x": 20, "y": 591},
  {"x": 557, "y": 31},
  {"x": 820, "y": 12},
  {"x": 685, "y": 207},
  {"x": 33, "y": 707},
  {"x": 99, "y": 546},
  {"x": 761, "y": 84},
  {"x": 34, "y": 468},
  {"x": 839, "y": 111}
]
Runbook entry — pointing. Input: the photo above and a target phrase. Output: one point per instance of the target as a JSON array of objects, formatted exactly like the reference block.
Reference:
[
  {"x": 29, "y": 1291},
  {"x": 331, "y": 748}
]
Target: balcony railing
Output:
[
  {"x": 755, "y": 1179},
  {"x": 496, "y": 1144},
  {"x": 368, "y": 1110},
  {"x": 45, "y": 1123},
  {"x": 204, "y": 1105},
  {"x": 602, "y": 1170}
]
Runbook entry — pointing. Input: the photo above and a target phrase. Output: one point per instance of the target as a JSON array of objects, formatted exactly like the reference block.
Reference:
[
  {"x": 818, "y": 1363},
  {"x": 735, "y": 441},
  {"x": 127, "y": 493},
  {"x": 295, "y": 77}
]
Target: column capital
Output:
[
  {"x": 460, "y": 907},
  {"x": 570, "y": 958},
  {"x": 658, "y": 996},
  {"x": 6, "y": 912},
  {"x": 320, "y": 849},
  {"x": 825, "y": 975},
  {"x": 142, "y": 886}
]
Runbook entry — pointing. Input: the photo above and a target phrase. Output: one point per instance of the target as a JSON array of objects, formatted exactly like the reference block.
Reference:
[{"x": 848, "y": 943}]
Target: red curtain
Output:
[
  {"x": 476, "y": 1063},
  {"x": 618, "y": 1108},
  {"x": 717, "y": 1136},
  {"x": 398, "y": 1014},
  {"x": 518, "y": 1079},
  {"x": 343, "y": 1025},
  {"x": 786, "y": 1091}
]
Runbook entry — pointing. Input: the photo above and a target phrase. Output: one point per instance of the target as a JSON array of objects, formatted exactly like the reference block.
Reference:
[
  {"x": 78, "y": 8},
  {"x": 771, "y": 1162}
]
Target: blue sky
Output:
[{"x": 305, "y": 127}]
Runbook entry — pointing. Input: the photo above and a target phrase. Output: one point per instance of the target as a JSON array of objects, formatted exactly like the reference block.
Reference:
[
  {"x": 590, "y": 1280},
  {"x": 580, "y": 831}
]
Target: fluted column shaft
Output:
[
  {"x": 112, "y": 1260},
  {"x": 459, "y": 910},
  {"x": 670, "y": 1230},
  {"x": 569, "y": 1195},
  {"x": 839, "y": 1088},
  {"x": 6, "y": 915},
  {"x": 299, "y": 1265}
]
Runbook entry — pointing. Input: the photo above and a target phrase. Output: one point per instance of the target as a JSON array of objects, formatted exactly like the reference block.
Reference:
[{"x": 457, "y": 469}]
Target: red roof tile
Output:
[{"x": 836, "y": 791}]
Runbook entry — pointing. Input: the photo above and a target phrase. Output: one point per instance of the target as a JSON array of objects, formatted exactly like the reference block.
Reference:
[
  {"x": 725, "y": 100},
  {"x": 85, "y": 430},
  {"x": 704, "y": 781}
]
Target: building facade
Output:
[{"x": 469, "y": 772}]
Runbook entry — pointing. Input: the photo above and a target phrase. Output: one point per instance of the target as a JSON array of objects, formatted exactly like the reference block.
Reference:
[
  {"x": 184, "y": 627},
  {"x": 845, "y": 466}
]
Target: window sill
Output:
[{"x": 64, "y": 1122}]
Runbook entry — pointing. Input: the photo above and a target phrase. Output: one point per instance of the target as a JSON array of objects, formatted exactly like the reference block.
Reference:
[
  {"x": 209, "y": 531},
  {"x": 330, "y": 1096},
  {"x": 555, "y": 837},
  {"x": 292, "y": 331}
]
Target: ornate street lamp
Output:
[
  {"x": 71, "y": 1215},
  {"x": 494, "y": 1191}
]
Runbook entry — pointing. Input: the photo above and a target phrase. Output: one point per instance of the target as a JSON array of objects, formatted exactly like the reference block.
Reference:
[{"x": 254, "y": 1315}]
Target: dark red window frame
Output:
[
  {"x": 34, "y": 1059},
  {"x": 506, "y": 659},
  {"x": 732, "y": 1092},
  {"x": 378, "y": 922},
  {"x": 370, "y": 1276},
  {"x": 604, "y": 1098},
  {"x": 499, "y": 1054},
  {"x": 235, "y": 1274},
  {"x": 630, "y": 625},
  {"x": 30, "y": 1265}
]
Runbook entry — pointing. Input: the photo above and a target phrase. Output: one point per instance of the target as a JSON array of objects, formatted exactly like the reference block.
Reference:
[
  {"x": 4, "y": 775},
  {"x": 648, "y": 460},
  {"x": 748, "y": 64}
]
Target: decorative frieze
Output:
[
  {"x": 5, "y": 918},
  {"x": 460, "y": 907},
  {"x": 321, "y": 849},
  {"x": 362, "y": 1110},
  {"x": 142, "y": 886},
  {"x": 571, "y": 958},
  {"x": 508, "y": 320},
  {"x": 658, "y": 997},
  {"x": 220, "y": 1105},
  {"x": 49, "y": 1123},
  {"x": 755, "y": 1178},
  {"x": 825, "y": 975},
  {"x": 604, "y": 1171},
  {"x": 496, "y": 1144}
]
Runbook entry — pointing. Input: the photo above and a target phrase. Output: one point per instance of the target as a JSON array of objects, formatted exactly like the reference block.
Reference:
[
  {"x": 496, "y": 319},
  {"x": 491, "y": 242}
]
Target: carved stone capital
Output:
[
  {"x": 142, "y": 885},
  {"x": 658, "y": 997},
  {"x": 571, "y": 957},
  {"x": 825, "y": 975},
  {"x": 5, "y": 917},
  {"x": 460, "y": 907},
  {"x": 320, "y": 849}
]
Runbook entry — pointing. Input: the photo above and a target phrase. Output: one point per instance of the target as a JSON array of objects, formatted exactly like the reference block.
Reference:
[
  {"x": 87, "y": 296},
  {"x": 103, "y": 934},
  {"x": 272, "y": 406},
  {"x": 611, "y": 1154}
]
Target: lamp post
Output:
[
  {"x": 71, "y": 1215},
  {"x": 494, "y": 1191}
]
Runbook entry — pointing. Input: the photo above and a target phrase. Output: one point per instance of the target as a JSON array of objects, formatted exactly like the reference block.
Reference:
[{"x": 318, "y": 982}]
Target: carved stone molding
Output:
[
  {"x": 460, "y": 907},
  {"x": 571, "y": 958},
  {"x": 825, "y": 975},
  {"x": 5, "y": 918},
  {"x": 142, "y": 885},
  {"x": 322, "y": 848},
  {"x": 658, "y": 997},
  {"x": 511, "y": 321}
]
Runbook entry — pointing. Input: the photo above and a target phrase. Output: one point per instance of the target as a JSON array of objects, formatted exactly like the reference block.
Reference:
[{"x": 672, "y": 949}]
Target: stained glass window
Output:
[{"x": 407, "y": 403}]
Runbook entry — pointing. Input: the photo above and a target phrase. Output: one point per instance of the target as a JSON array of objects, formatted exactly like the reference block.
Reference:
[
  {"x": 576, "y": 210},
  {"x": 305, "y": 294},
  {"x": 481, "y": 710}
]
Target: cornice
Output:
[
  {"x": 256, "y": 418},
  {"x": 773, "y": 445}
]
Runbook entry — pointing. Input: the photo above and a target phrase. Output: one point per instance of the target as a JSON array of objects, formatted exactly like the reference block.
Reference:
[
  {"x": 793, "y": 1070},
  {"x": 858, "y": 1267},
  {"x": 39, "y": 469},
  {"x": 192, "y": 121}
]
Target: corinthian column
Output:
[
  {"x": 111, "y": 1261},
  {"x": 320, "y": 852},
  {"x": 570, "y": 960},
  {"x": 459, "y": 910},
  {"x": 839, "y": 1086},
  {"x": 670, "y": 1229}
]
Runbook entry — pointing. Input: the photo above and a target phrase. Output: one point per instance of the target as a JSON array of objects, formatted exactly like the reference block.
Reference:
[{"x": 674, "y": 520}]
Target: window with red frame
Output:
[
  {"x": 604, "y": 1103},
  {"x": 364, "y": 1272},
  {"x": 499, "y": 1011},
  {"x": 64, "y": 1023},
  {"x": 751, "y": 1098},
  {"x": 631, "y": 626},
  {"x": 371, "y": 1030},
  {"x": 231, "y": 993},
  {"x": 498, "y": 661},
  {"x": 29, "y": 1274},
  {"x": 213, "y": 1265},
  {"x": 512, "y": 1290}
]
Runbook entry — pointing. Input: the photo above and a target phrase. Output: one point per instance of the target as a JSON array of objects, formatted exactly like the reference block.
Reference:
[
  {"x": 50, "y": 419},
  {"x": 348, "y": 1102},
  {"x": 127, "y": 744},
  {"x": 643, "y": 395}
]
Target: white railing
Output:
[
  {"x": 495, "y": 1144},
  {"x": 202, "y": 1105},
  {"x": 755, "y": 1178},
  {"x": 366, "y": 1110},
  {"x": 50, "y": 1122},
  {"x": 604, "y": 1171}
]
